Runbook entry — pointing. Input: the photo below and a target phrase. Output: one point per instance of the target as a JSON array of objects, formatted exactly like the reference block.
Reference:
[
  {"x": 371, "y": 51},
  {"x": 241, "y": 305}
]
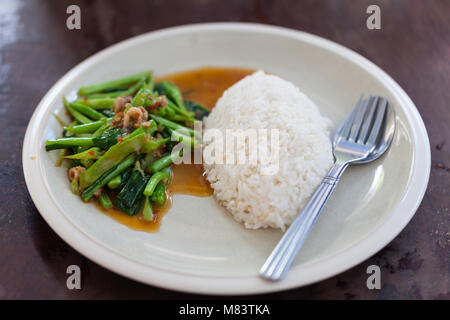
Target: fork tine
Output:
[
  {"x": 368, "y": 121},
  {"x": 345, "y": 131},
  {"x": 358, "y": 120},
  {"x": 381, "y": 110}
]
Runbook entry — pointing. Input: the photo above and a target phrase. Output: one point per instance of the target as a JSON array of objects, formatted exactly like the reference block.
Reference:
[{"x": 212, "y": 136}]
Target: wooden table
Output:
[{"x": 36, "y": 49}]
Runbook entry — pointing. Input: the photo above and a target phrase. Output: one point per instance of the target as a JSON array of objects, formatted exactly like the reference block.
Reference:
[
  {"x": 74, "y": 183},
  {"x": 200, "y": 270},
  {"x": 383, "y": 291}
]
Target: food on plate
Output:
[
  {"x": 264, "y": 101},
  {"x": 118, "y": 144}
]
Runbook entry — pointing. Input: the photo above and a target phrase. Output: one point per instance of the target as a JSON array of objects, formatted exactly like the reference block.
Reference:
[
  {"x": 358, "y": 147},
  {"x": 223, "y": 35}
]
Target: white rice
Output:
[{"x": 263, "y": 101}]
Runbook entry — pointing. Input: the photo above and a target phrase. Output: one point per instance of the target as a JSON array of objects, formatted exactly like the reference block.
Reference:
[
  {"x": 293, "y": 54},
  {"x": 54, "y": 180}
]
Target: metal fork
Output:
[{"x": 362, "y": 137}]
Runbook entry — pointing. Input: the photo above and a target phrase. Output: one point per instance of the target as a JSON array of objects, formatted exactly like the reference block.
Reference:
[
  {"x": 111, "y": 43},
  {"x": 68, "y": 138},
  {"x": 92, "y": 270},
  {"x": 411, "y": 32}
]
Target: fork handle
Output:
[{"x": 284, "y": 253}]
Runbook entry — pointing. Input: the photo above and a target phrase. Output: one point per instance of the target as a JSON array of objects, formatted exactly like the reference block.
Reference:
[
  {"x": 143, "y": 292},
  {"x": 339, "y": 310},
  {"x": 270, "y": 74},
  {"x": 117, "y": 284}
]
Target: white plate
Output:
[{"x": 200, "y": 248}]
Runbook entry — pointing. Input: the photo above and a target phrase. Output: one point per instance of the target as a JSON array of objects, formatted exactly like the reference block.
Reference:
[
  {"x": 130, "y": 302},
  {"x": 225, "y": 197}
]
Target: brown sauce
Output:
[
  {"x": 204, "y": 86},
  {"x": 137, "y": 221},
  {"x": 189, "y": 179}
]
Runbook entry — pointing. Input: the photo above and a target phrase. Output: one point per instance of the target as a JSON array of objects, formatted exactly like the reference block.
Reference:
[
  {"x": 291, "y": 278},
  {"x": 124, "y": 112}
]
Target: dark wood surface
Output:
[{"x": 36, "y": 49}]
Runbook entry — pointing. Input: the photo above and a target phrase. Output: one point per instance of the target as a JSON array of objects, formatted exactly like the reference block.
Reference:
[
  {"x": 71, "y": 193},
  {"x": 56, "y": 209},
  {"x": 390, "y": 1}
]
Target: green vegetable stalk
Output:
[
  {"x": 86, "y": 110},
  {"x": 113, "y": 84},
  {"x": 172, "y": 125},
  {"x": 110, "y": 95},
  {"x": 92, "y": 153},
  {"x": 159, "y": 195},
  {"x": 141, "y": 96},
  {"x": 173, "y": 93},
  {"x": 87, "y": 128},
  {"x": 115, "y": 182},
  {"x": 147, "y": 211},
  {"x": 112, "y": 157},
  {"x": 105, "y": 201},
  {"x": 63, "y": 143},
  {"x": 75, "y": 114},
  {"x": 107, "y": 176},
  {"x": 155, "y": 179},
  {"x": 165, "y": 161},
  {"x": 103, "y": 141},
  {"x": 98, "y": 104}
]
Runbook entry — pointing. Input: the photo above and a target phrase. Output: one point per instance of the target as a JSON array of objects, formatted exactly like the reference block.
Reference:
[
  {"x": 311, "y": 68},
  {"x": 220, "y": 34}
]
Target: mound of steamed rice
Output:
[{"x": 263, "y": 101}]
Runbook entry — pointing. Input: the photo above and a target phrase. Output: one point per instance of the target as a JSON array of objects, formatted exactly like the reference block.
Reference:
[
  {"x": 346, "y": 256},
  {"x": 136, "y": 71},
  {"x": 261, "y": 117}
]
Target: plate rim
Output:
[{"x": 343, "y": 260}]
